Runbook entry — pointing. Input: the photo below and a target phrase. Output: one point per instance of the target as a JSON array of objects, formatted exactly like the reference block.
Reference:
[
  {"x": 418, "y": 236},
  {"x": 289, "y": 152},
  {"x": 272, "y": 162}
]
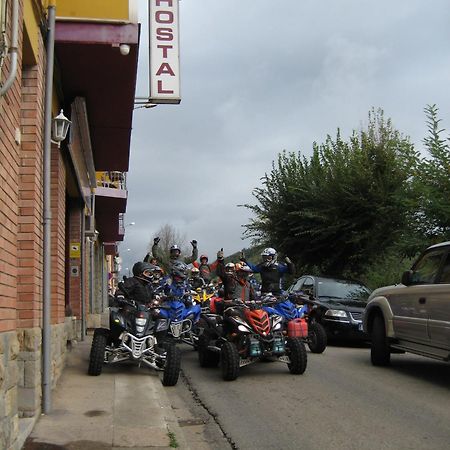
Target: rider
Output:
[
  {"x": 206, "y": 270},
  {"x": 235, "y": 282},
  {"x": 175, "y": 253},
  {"x": 196, "y": 281},
  {"x": 271, "y": 271},
  {"x": 176, "y": 285},
  {"x": 139, "y": 286}
]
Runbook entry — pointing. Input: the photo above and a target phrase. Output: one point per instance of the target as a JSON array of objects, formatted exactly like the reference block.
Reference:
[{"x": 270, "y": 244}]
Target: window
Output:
[
  {"x": 426, "y": 269},
  {"x": 445, "y": 275}
]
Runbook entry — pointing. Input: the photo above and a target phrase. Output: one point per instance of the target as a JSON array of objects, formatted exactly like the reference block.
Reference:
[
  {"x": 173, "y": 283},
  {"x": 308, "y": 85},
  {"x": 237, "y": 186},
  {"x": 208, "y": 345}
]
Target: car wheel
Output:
[
  {"x": 380, "y": 353},
  {"x": 172, "y": 366}
]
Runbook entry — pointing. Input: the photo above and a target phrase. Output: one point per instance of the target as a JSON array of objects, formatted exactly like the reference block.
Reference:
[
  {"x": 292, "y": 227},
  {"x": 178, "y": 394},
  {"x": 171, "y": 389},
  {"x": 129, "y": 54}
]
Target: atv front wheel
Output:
[
  {"x": 97, "y": 355},
  {"x": 172, "y": 366},
  {"x": 229, "y": 361},
  {"x": 297, "y": 355},
  {"x": 206, "y": 358},
  {"x": 317, "y": 338}
]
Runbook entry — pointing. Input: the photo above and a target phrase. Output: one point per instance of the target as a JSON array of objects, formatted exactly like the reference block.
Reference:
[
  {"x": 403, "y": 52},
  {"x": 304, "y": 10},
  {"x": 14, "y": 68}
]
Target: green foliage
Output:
[
  {"x": 344, "y": 206},
  {"x": 433, "y": 182}
]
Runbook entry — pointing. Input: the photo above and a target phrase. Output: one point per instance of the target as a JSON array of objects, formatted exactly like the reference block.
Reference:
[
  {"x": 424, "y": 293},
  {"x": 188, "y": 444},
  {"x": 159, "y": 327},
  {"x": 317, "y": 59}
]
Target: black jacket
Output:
[{"x": 136, "y": 289}]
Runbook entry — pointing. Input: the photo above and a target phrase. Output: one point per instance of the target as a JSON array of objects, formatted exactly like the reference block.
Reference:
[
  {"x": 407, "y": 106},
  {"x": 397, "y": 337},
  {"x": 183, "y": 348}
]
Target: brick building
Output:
[{"x": 94, "y": 83}]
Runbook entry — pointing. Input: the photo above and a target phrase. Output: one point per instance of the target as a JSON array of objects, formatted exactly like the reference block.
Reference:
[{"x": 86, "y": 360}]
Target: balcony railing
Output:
[{"x": 115, "y": 180}]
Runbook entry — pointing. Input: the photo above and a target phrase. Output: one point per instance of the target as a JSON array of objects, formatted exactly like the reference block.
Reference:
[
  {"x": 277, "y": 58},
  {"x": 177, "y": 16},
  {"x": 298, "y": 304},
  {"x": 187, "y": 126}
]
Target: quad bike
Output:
[
  {"x": 244, "y": 335},
  {"x": 133, "y": 337},
  {"x": 297, "y": 320},
  {"x": 202, "y": 296},
  {"x": 181, "y": 320}
]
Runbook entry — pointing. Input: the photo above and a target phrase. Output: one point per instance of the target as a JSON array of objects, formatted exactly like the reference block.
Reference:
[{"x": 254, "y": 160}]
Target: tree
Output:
[
  {"x": 433, "y": 182},
  {"x": 344, "y": 206}
]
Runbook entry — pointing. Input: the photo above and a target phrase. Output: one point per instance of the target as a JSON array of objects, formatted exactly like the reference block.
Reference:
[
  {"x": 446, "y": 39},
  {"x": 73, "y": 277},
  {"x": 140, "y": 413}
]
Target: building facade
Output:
[{"x": 94, "y": 79}]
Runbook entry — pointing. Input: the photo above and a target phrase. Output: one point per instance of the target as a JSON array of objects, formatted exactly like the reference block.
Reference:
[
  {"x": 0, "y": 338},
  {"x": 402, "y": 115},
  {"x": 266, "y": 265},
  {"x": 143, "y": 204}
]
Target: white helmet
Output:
[{"x": 269, "y": 256}]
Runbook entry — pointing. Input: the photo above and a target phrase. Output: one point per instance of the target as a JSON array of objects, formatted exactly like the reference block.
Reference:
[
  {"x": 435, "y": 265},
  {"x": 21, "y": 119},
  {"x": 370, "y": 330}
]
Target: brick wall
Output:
[
  {"x": 9, "y": 176},
  {"x": 58, "y": 238},
  {"x": 30, "y": 250}
]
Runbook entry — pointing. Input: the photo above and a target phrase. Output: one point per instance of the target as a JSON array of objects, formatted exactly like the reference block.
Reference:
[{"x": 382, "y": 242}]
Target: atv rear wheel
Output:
[
  {"x": 380, "y": 353},
  {"x": 297, "y": 355},
  {"x": 229, "y": 361},
  {"x": 172, "y": 366},
  {"x": 206, "y": 358},
  {"x": 317, "y": 338},
  {"x": 97, "y": 355}
]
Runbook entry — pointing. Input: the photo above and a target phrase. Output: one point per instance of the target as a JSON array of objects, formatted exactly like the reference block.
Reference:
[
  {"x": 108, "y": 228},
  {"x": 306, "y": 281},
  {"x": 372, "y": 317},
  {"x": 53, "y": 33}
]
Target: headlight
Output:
[
  {"x": 336, "y": 313},
  {"x": 242, "y": 328},
  {"x": 277, "y": 326},
  {"x": 141, "y": 322}
]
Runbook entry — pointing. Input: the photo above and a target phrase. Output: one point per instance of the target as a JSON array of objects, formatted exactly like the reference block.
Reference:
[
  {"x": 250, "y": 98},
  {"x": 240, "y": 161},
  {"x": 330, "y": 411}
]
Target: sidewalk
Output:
[{"x": 124, "y": 407}]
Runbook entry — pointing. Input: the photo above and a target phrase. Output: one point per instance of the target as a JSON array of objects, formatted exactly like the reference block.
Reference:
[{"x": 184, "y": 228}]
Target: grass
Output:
[{"x": 173, "y": 439}]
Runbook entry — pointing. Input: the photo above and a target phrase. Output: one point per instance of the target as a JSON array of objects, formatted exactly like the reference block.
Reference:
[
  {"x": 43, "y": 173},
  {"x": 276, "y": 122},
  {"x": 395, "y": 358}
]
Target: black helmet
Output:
[
  {"x": 143, "y": 270},
  {"x": 179, "y": 270}
]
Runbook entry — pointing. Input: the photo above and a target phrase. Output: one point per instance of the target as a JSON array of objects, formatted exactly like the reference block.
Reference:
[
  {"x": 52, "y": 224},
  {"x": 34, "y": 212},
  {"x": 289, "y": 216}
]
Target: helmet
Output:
[
  {"x": 229, "y": 267},
  {"x": 269, "y": 256},
  {"x": 178, "y": 271},
  {"x": 157, "y": 272},
  {"x": 195, "y": 272},
  {"x": 143, "y": 270},
  {"x": 175, "y": 250},
  {"x": 243, "y": 270},
  {"x": 203, "y": 257}
]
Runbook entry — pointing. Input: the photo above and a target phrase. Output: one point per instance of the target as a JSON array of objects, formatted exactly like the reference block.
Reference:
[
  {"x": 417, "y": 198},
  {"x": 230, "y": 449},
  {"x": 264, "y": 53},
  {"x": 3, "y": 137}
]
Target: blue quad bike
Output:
[
  {"x": 180, "y": 320},
  {"x": 282, "y": 306},
  {"x": 136, "y": 335}
]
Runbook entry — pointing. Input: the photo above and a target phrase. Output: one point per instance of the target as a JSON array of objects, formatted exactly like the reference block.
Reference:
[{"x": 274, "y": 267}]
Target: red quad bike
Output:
[{"x": 246, "y": 334}]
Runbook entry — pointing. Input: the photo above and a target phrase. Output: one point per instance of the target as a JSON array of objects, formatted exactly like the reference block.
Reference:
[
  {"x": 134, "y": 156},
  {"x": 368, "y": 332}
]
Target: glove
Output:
[
  {"x": 220, "y": 254},
  {"x": 287, "y": 259},
  {"x": 156, "y": 240},
  {"x": 194, "y": 243}
]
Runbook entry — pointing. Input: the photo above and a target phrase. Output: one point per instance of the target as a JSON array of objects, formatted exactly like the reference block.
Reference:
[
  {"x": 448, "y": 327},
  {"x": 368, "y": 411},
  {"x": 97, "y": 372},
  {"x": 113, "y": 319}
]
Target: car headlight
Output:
[
  {"x": 336, "y": 313},
  {"x": 277, "y": 326},
  {"x": 141, "y": 322},
  {"x": 242, "y": 328}
]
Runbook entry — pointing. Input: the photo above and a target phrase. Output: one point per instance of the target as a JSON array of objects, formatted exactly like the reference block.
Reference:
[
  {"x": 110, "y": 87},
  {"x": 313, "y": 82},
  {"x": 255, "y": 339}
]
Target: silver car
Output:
[{"x": 413, "y": 316}]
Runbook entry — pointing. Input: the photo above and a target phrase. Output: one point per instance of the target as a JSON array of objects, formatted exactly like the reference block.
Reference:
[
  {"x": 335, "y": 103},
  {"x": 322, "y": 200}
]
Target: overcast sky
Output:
[{"x": 261, "y": 76}]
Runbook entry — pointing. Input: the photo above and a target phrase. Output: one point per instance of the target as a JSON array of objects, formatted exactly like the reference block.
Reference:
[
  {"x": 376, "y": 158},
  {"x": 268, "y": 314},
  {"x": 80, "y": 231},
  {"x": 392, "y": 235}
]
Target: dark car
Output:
[{"x": 338, "y": 304}]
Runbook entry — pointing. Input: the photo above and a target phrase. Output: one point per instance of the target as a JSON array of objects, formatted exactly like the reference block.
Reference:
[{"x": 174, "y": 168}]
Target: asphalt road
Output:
[{"x": 340, "y": 402}]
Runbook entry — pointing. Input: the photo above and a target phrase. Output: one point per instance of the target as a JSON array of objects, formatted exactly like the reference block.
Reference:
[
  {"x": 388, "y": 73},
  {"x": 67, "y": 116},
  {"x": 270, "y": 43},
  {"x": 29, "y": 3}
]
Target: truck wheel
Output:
[
  {"x": 97, "y": 355},
  {"x": 317, "y": 338},
  {"x": 206, "y": 358},
  {"x": 229, "y": 361},
  {"x": 172, "y": 366},
  {"x": 297, "y": 355},
  {"x": 380, "y": 353}
]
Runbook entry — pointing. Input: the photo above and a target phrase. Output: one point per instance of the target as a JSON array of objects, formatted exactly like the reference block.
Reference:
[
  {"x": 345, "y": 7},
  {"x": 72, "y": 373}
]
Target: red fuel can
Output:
[{"x": 298, "y": 328}]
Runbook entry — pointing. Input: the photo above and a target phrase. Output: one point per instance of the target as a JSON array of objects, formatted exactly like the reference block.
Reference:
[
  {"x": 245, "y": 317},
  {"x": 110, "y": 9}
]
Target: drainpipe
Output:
[
  {"x": 47, "y": 301},
  {"x": 13, "y": 49},
  {"x": 83, "y": 275}
]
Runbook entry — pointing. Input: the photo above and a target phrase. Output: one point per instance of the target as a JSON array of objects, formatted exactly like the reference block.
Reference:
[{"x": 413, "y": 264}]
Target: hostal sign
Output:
[{"x": 164, "y": 51}]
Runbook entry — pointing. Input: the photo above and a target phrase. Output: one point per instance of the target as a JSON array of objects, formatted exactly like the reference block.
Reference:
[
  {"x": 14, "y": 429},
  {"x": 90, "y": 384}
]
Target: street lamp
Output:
[{"x": 60, "y": 127}]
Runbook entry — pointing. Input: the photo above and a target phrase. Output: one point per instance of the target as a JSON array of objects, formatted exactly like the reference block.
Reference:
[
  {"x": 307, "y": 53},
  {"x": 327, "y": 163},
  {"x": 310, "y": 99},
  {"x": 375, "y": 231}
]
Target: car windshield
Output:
[{"x": 342, "y": 290}]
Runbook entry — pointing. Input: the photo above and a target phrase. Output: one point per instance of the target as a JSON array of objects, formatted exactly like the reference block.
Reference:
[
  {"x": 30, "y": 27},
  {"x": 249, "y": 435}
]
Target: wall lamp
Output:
[{"x": 60, "y": 127}]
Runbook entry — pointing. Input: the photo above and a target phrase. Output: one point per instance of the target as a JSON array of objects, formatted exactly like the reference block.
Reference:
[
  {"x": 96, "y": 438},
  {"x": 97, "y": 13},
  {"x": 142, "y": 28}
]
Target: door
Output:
[
  {"x": 439, "y": 308},
  {"x": 410, "y": 303}
]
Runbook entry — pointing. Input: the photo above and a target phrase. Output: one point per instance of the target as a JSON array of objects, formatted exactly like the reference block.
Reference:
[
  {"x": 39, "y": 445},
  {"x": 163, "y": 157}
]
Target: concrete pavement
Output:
[{"x": 124, "y": 407}]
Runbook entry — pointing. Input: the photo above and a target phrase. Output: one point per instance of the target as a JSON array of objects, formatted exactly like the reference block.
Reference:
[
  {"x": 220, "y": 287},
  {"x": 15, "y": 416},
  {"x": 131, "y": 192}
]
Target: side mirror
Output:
[{"x": 407, "y": 277}]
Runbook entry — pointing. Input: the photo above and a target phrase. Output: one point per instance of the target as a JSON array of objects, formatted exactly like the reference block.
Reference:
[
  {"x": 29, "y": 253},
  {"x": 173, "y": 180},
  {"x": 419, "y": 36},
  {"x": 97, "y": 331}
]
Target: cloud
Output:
[{"x": 260, "y": 77}]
